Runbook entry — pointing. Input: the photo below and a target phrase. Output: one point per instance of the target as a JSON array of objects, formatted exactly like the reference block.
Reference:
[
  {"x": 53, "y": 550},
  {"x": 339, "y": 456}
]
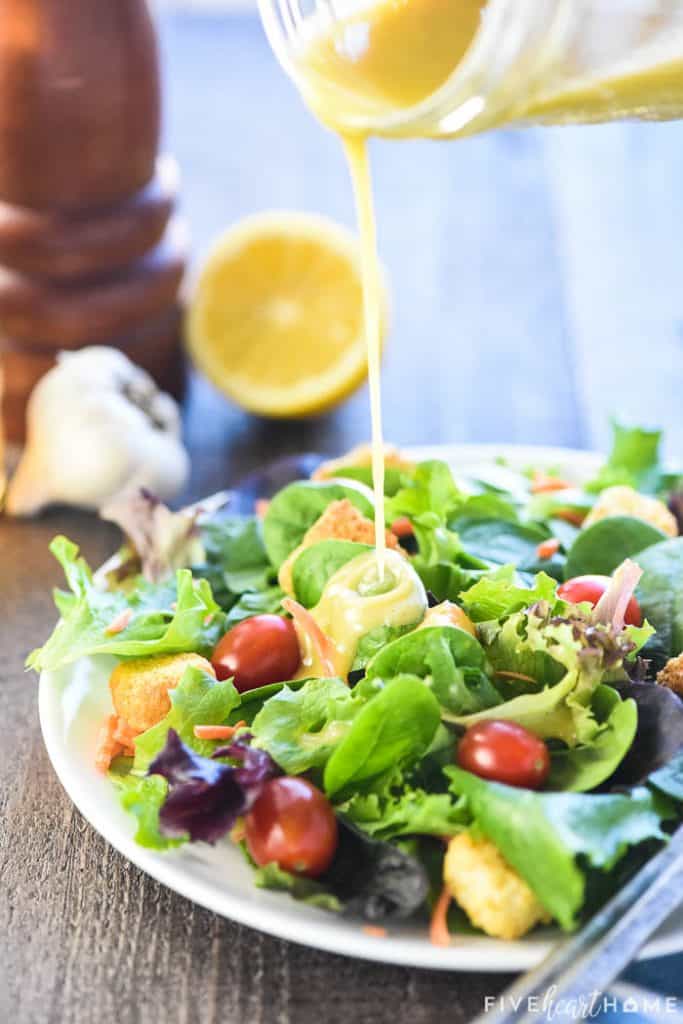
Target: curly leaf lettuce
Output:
[
  {"x": 500, "y": 593},
  {"x": 147, "y": 619},
  {"x": 567, "y": 658}
]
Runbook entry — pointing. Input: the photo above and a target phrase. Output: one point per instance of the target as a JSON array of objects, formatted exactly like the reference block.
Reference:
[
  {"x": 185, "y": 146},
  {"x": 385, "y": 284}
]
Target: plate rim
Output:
[{"x": 284, "y": 922}]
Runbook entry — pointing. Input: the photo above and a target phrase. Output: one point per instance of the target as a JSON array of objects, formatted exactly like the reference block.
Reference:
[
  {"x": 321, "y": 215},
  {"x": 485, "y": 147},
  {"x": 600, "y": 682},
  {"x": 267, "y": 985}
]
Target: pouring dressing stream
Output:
[{"x": 444, "y": 68}]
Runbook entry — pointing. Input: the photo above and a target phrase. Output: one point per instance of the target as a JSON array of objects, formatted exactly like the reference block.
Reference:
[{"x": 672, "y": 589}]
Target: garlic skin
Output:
[{"x": 97, "y": 427}]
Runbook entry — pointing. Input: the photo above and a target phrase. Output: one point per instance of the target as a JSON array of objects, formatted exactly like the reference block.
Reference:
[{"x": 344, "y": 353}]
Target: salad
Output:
[{"x": 482, "y": 730}]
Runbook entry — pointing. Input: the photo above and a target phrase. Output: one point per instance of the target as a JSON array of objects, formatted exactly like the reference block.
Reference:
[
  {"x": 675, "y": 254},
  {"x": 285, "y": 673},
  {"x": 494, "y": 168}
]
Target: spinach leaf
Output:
[
  {"x": 552, "y": 839},
  {"x": 446, "y": 580},
  {"x": 317, "y": 563},
  {"x": 199, "y": 699},
  {"x": 167, "y": 618},
  {"x": 449, "y": 658},
  {"x": 499, "y": 542},
  {"x": 485, "y": 506},
  {"x": 585, "y": 767},
  {"x": 393, "y": 729},
  {"x": 499, "y": 594},
  {"x": 301, "y": 728},
  {"x": 660, "y": 595},
  {"x": 294, "y": 510},
  {"x": 602, "y": 547},
  {"x": 394, "y": 478}
]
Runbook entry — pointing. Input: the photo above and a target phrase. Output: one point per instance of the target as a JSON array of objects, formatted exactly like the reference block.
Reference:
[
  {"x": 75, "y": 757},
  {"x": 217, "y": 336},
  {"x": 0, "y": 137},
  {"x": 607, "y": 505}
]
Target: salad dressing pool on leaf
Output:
[{"x": 358, "y": 599}]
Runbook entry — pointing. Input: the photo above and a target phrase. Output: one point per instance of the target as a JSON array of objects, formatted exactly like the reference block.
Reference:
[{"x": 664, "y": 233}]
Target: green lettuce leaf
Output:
[
  {"x": 306, "y": 890},
  {"x": 583, "y": 768},
  {"x": 392, "y": 730},
  {"x": 142, "y": 796},
  {"x": 301, "y": 728},
  {"x": 166, "y": 618},
  {"x": 565, "y": 657},
  {"x": 199, "y": 699},
  {"x": 634, "y": 460},
  {"x": 500, "y": 593},
  {"x": 449, "y": 659},
  {"x": 407, "y": 812},
  {"x": 553, "y": 839},
  {"x": 235, "y": 557},
  {"x": 376, "y": 640},
  {"x": 255, "y": 602}
]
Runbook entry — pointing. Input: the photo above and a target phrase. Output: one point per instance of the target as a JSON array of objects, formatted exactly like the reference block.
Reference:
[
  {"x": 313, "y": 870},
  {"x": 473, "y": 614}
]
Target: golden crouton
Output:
[
  {"x": 139, "y": 687},
  {"x": 624, "y": 501},
  {"x": 361, "y": 455},
  {"x": 493, "y": 896},
  {"x": 448, "y": 614},
  {"x": 671, "y": 675},
  {"x": 341, "y": 520}
]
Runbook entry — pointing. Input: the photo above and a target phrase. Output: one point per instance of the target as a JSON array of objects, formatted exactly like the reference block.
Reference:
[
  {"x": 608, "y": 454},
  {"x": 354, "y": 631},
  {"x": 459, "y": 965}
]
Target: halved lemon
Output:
[{"x": 276, "y": 317}]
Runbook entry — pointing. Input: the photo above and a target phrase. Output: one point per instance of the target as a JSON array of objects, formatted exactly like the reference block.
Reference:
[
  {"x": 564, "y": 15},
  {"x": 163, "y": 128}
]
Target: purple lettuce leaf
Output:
[{"x": 206, "y": 796}]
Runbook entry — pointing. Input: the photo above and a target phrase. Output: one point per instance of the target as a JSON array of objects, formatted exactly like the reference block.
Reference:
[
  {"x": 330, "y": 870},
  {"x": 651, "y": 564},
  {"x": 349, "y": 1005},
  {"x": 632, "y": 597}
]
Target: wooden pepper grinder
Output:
[{"x": 89, "y": 250}]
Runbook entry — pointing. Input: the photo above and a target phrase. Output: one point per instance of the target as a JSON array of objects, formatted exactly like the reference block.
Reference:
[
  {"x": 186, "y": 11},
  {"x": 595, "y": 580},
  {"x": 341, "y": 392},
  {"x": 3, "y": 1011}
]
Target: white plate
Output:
[{"x": 73, "y": 703}]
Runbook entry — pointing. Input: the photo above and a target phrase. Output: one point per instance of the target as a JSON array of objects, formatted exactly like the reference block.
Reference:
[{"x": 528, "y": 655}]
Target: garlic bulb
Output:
[{"x": 97, "y": 427}]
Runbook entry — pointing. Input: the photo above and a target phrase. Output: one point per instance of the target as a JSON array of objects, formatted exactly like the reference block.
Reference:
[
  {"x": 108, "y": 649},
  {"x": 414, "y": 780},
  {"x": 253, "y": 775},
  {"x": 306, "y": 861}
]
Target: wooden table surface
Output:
[{"x": 536, "y": 284}]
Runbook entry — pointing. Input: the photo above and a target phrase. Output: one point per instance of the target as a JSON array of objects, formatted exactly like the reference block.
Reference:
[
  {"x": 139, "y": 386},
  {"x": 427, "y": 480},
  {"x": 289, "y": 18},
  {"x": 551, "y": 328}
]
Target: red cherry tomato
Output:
[
  {"x": 591, "y": 589},
  {"x": 260, "y": 650},
  {"x": 504, "y": 752},
  {"x": 292, "y": 823}
]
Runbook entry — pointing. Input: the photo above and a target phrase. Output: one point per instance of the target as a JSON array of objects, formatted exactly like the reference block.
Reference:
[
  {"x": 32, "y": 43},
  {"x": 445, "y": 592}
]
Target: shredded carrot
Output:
[
  {"x": 375, "y": 930},
  {"x": 114, "y": 738},
  {"x": 304, "y": 621},
  {"x": 516, "y": 675},
  {"x": 548, "y": 548},
  {"x": 217, "y": 732},
  {"x": 118, "y": 624},
  {"x": 543, "y": 483},
  {"x": 438, "y": 926},
  {"x": 570, "y": 515},
  {"x": 402, "y": 527},
  {"x": 238, "y": 832},
  {"x": 208, "y": 619},
  {"x": 261, "y": 507},
  {"x": 108, "y": 746}
]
